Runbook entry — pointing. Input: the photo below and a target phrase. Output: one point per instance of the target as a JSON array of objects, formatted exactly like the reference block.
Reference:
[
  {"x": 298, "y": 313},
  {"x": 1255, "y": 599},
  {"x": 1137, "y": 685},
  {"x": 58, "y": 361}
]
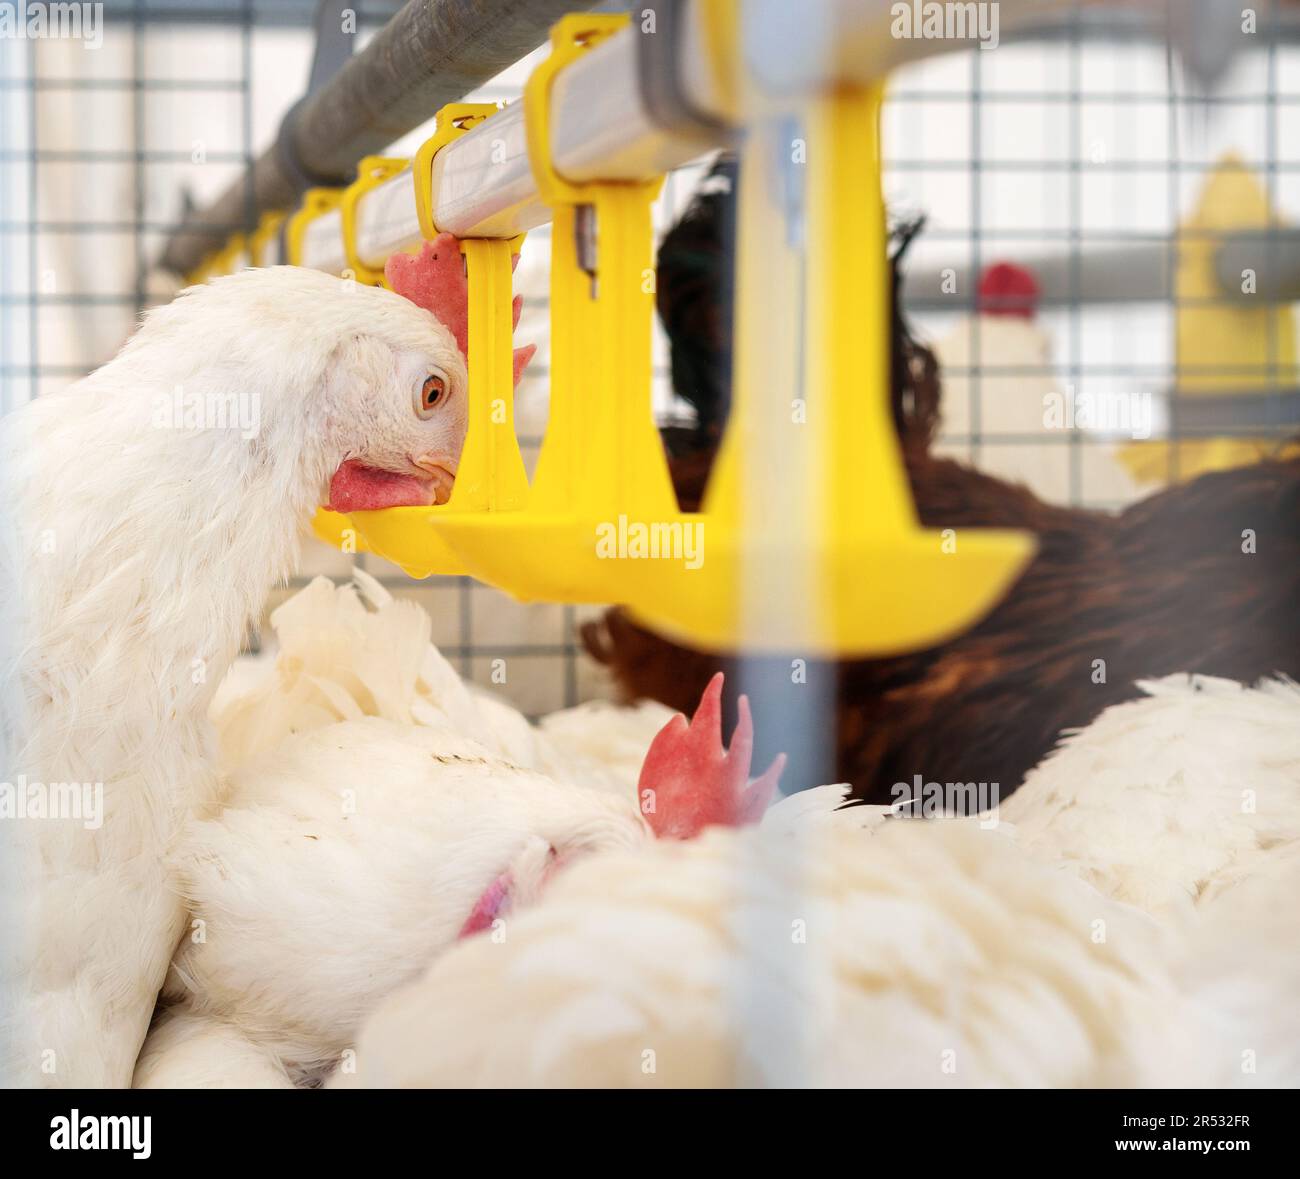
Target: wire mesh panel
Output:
[
  {"x": 1047, "y": 155},
  {"x": 1096, "y": 163},
  {"x": 102, "y": 147}
]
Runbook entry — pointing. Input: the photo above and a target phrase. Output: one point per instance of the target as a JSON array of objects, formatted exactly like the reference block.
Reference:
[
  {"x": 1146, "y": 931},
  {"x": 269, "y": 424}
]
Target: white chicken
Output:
[
  {"x": 1165, "y": 801},
  {"x": 348, "y": 853},
  {"x": 148, "y": 510},
  {"x": 353, "y": 651},
  {"x": 138, "y": 545},
  {"x": 921, "y": 953},
  {"x": 930, "y": 954},
  {"x": 344, "y": 859}
]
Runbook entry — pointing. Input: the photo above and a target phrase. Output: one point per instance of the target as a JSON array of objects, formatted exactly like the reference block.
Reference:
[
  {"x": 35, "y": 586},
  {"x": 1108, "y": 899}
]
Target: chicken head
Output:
[{"x": 413, "y": 463}]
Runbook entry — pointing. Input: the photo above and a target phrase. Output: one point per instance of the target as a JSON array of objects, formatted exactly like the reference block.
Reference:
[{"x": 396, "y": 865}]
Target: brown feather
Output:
[{"x": 1163, "y": 587}]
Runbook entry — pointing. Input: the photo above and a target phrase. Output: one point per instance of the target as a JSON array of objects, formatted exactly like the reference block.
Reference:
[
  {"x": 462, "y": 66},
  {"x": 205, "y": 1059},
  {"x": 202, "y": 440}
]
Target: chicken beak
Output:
[{"x": 441, "y": 468}]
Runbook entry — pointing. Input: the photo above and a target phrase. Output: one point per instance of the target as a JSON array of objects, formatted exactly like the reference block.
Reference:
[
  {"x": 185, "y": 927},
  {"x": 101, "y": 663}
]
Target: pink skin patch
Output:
[
  {"x": 358, "y": 488},
  {"x": 499, "y": 896},
  {"x": 689, "y": 781},
  {"x": 494, "y": 902}
]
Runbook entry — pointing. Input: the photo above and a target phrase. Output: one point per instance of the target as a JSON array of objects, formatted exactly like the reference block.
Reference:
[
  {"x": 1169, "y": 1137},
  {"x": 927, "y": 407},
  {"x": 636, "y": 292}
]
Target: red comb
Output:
[
  {"x": 435, "y": 280},
  {"x": 1008, "y": 289},
  {"x": 689, "y": 782}
]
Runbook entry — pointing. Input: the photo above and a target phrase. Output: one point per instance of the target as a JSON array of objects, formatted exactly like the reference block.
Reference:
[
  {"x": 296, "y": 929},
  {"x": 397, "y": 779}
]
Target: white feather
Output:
[
  {"x": 930, "y": 954},
  {"x": 847, "y": 951},
  {"x": 827, "y": 946},
  {"x": 353, "y": 651},
  {"x": 134, "y": 552},
  {"x": 187, "y": 1051},
  {"x": 1162, "y": 801},
  {"x": 345, "y": 859}
]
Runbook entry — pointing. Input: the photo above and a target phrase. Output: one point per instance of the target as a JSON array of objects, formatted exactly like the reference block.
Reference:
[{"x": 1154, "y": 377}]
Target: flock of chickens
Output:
[
  {"x": 351, "y": 869},
  {"x": 1127, "y": 922}
]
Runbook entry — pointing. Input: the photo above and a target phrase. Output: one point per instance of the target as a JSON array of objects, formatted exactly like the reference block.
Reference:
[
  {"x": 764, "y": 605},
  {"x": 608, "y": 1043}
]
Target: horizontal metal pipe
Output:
[
  {"x": 1260, "y": 264},
  {"x": 482, "y": 183},
  {"x": 431, "y": 52},
  {"x": 435, "y": 51},
  {"x": 483, "y": 186},
  {"x": 1140, "y": 273}
]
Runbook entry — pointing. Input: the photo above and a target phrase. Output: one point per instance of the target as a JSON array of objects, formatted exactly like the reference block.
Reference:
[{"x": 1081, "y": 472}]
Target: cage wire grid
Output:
[{"x": 991, "y": 146}]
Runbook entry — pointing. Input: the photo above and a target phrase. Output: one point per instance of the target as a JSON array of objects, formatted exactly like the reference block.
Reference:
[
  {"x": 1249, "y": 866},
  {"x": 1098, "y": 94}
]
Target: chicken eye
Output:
[{"x": 432, "y": 392}]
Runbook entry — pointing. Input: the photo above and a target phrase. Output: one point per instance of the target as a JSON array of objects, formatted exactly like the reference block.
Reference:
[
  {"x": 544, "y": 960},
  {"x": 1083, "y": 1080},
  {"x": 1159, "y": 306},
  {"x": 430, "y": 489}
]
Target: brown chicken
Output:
[{"x": 1202, "y": 577}]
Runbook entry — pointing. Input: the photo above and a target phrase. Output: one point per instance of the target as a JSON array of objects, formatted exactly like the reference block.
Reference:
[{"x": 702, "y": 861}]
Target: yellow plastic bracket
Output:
[
  {"x": 371, "y": 172},
  {"x": 571, "y": 37},
  {"x": 267, "y": 227},
  {"x": 451, "y": 121},
  {"x": 601, "y": 453},
  {"x": 722, "y": 48},
  {"x": 315, "y": 203},
  {"x": 491, "y": 476},
  {"x": 1220, "y": 348},
  {"x": 809, "y": 540}
]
